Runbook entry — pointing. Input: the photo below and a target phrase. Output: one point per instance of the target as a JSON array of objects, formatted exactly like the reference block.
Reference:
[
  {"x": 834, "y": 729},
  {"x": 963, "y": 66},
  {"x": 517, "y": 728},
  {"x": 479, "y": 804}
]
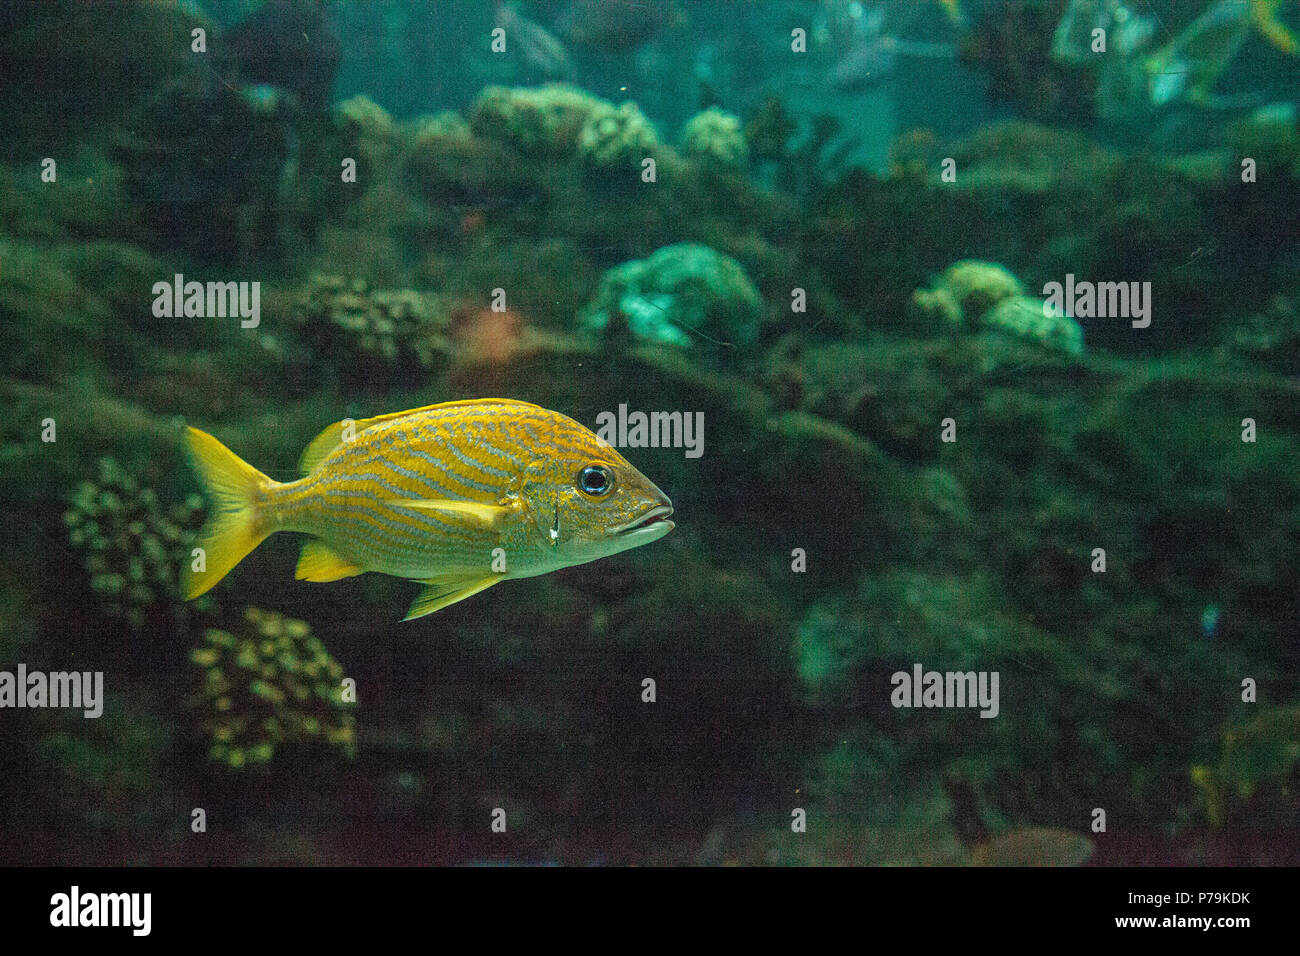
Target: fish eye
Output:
[{"x": 596, "y": 480}]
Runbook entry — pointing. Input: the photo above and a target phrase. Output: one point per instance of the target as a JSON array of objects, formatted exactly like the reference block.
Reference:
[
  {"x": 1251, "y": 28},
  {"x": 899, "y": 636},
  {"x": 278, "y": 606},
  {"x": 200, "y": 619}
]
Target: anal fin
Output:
[
  {"x": 319, "y": 562},
  {"x": 440, "y": 592}
]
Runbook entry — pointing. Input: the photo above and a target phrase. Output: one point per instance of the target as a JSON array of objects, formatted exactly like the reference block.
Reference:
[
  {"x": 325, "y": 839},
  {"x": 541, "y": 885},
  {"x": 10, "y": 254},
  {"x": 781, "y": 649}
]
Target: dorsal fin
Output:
[{"x": 332, "y": 437}]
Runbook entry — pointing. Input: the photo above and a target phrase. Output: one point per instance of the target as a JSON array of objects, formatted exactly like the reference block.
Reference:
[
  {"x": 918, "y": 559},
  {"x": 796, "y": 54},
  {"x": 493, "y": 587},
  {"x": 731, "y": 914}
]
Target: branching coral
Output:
[
  {"x": 350, "y": 323},
  {"x": 132, "y": 546},
  {"x": 268, "y": 684}
]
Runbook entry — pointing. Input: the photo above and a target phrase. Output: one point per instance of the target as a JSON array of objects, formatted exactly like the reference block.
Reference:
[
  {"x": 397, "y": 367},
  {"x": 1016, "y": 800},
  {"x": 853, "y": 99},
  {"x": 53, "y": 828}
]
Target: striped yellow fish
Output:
[{"x": 457, "y": 496}]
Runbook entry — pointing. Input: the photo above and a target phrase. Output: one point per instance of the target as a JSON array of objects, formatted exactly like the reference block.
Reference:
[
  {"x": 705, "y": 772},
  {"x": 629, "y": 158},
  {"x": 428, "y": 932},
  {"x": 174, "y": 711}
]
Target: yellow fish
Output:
[{"x": 458, "y": 496}]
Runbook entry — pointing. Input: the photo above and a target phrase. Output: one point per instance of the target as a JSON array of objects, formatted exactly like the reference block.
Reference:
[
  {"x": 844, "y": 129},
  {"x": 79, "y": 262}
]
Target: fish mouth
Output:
[{"x": 655, "y": 518}]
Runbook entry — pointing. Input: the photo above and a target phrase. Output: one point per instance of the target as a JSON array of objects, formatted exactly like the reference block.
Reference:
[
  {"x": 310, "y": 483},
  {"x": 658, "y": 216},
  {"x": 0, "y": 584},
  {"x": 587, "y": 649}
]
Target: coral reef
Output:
[
  {"x": 984, "y": 295},
  {"x": 1269, "y": 337},
  {"x": 267, "y": 685},
  {"x": 353, "y": 326},
  {"x": 67, "y": 60},
  {"x": 108, "y": 778},
  {"x": 547, "y": 118},
  {"x": 617, "y": 139},
  {"x": 364, "y": 120},
  {"x": 1029, "y": 318},
  {"x": 978, "y": 286},
  {"x": 966, "y": 291},
  {"x": 208, "y": 166},
  {"x": 1034, "y": 846},
  {"x": 676, "y": 293},
  {"x": 892, "y": 619},
  {"x": 561, "y": 120},
  {"x": 132, "y": 547},
  {"x": 448, "y": 166},
  {"x": 89, "y": 199},
  {"x": 447, "y": 124},
  {"x": 716, "y": 139},
  {"x": 823, "y": 440}
]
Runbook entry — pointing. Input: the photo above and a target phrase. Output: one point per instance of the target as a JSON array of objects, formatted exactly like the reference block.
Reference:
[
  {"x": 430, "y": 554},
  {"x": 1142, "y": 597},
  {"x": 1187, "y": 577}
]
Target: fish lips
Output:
[{"x": 653, "y": 522}]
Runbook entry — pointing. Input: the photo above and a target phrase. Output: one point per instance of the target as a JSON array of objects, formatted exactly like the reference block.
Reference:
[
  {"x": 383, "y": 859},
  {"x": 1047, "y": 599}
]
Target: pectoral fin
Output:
[
  {"x": 488, "y": 514},
  {"x": 439, "y": 592},
  {"x": 319, "y": 563}
]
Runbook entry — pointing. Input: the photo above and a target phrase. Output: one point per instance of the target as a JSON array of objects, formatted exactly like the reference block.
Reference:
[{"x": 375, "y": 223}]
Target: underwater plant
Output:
[
  {"x": 1258, "y": 770},
  {"x": 271, "y": 683},
  {"x": 1191, "y": 64}
]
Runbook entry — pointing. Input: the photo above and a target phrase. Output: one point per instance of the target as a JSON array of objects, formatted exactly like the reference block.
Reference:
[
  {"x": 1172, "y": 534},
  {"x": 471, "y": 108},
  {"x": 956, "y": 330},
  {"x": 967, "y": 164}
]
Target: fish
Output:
[
  {"x": 540, "y": 53},
  {"x": 457, "y": 496},
  {"x": 1126, "y": 32},
  {"x": 874, "y": 52},
  {"x": 872, "y": 55}
]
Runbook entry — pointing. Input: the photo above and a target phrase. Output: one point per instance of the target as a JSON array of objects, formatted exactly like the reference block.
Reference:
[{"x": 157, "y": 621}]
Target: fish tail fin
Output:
[{"x": 234, "y": 526}]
